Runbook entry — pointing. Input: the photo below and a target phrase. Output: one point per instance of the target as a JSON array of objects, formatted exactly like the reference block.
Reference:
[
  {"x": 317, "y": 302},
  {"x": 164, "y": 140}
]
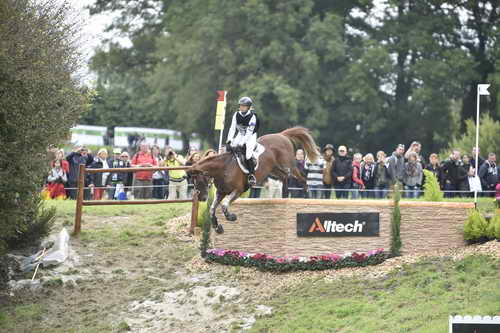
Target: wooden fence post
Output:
[
  {"x": 194, "y": 212},
  {"x": 79, "y": 199}
]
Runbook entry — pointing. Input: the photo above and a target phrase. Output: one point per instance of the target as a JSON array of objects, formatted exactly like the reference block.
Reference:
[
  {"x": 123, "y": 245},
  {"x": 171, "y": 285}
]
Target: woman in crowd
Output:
[
  {"x": 56, "y": 179},
  {"x": 209, "y": 152},
  {"x": 382, "y": 178},
  {"x": 101, "y": 180},
  {"x": 435, "y": 167},
  {"x": 327, "y": 172},
  {"x": 412, "y": 176},
  {"x": 61, "y": 158},
  {"x": 192, "y": 159},
  {"x": 296, "y": 187},
  {"x": 315, "y": 177},
  {"x": 368, "y": 176},
  {"x": 357, "y": 182}
]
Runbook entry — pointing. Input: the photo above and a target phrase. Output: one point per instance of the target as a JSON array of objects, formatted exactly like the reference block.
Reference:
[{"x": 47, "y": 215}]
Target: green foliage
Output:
[
  {"x": 432, "y": 190},
  {"x": 206, "y": 222},
  {"x": 396, "y": 223},
  {"x": 320, "y": 64},
  {"x": 493, "y": 230},
  {"x": 40, "y": 101},
  {"x": 204, "y": 207},
  {"x": 475, "y": 227},
  {"x": 489, "y": 140}
]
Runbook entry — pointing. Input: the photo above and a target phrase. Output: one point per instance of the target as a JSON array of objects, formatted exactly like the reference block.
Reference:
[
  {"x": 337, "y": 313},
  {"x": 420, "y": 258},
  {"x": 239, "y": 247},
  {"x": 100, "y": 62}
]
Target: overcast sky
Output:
[{"x": 92, "y": 31}]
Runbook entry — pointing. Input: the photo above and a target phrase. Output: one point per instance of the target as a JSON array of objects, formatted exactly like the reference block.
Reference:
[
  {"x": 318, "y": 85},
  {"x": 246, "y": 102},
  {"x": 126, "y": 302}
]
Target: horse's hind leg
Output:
[
  {"x": 225, "y": 206},
  {"x": 215, "y": 224}
]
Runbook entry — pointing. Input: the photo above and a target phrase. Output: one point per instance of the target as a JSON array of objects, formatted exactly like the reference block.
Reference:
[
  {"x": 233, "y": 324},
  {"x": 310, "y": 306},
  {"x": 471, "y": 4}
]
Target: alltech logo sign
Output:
[{"x": 337, "y": 224}]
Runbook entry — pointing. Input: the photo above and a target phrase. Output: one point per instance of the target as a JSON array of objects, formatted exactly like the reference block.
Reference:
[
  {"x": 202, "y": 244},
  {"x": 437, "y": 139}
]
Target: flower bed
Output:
[{"x": 266, "y": 262}]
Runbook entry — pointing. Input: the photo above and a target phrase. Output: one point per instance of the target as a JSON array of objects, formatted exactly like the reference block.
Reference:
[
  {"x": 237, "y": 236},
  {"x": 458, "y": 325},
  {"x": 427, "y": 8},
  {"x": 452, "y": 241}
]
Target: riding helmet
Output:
[{"x": 247, "y": 101}]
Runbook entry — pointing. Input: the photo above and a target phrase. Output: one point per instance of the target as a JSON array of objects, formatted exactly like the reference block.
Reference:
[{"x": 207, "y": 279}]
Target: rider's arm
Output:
[{"x": 232, "y": 129}]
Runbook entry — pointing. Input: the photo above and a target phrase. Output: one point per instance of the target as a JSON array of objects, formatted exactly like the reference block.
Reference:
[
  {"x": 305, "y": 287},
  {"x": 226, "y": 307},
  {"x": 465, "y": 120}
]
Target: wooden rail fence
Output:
[{"x": 81, "y": 186}]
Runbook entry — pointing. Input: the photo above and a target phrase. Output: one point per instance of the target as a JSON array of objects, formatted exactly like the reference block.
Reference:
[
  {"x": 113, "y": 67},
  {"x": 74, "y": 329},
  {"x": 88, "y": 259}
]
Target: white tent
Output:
[
  {"x": 88, "y": 135},
  {"x": 157, "y": 136}
]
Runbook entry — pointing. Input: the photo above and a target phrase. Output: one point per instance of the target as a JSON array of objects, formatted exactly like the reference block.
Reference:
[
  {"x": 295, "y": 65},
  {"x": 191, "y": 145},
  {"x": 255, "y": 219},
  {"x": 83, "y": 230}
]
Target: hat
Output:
[
  {"x": 117, "y": 151},
  {"x": 328, "y": 146}
]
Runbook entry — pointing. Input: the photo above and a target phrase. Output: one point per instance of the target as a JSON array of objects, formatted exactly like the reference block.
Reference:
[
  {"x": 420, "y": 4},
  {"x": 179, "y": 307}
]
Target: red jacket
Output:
[
  {"x": 141, "y": 158},
  {"x": 356, "y": 174}
]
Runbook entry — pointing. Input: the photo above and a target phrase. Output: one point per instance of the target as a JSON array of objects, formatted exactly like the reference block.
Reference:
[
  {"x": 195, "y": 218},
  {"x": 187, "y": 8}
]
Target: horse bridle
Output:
[{"x": 209, "y": 184}]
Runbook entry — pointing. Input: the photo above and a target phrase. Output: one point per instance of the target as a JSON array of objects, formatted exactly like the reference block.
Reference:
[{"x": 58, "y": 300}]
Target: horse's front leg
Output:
[
  {"x": 215, "y": 224},
  {"x": 225, "y": 206}
]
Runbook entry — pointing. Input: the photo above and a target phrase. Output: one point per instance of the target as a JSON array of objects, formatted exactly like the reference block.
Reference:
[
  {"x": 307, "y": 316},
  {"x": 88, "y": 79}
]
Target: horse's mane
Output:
[{"x": 213, "y": 157}]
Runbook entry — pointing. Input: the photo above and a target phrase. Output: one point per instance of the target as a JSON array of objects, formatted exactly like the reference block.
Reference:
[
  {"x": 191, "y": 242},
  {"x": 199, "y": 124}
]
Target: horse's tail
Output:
[{"x": 302, "y": 136}]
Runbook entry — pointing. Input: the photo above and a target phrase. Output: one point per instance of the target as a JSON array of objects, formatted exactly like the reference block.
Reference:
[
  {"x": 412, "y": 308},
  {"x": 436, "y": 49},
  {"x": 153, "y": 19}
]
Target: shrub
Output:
[
  {"x": 432, "y": 190},
  {"x": 206, "y": 221},
  {"x": 40, "y": 101},
  {"x": 396, "y": 224},
  {"x": 493, "y": 230},
  {"x": 204, "y": 208},
  {"x": 476, "y": 227}
]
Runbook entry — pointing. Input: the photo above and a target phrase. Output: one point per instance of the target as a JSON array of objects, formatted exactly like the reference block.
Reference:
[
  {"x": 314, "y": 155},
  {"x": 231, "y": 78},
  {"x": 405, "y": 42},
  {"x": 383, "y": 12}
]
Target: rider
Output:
[{"x": 246, "y": 124}]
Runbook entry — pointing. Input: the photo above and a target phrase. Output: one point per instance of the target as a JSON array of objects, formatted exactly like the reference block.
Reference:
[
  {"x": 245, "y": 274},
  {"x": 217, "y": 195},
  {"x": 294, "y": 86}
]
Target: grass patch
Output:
[
  {"x": 18, "y": 317},
  {"x": 416, "y": 298},
  {"x": 66, "y": 208}
]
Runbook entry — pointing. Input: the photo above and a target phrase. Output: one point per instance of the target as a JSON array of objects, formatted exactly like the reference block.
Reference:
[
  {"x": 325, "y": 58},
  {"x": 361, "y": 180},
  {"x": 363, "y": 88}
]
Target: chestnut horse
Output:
[{"x": 277, "y": 160}]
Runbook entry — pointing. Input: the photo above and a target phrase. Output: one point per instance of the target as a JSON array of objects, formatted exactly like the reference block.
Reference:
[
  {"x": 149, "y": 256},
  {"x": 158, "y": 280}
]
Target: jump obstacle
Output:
[
  {"x": 81, "y": 186},
  {"x": 272, "y": 226}
]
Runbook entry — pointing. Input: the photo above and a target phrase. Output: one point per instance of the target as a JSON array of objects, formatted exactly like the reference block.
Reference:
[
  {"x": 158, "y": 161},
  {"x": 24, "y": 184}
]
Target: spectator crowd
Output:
[
  {"x": 334, "y": 175},
  {"x": 369, "y": 176}
]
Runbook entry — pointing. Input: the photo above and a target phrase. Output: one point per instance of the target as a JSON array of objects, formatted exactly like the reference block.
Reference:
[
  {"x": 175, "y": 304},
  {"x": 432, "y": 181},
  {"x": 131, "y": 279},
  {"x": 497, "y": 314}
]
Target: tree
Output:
[
  {"x": 40, "y": 99},
  {"x": 489, "y": 138},
  {"x": 351, "y": 75}
]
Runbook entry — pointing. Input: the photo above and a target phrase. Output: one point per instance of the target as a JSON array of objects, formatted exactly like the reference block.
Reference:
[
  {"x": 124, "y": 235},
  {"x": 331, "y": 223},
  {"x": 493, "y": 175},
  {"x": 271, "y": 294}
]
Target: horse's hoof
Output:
[
  {"x": 231, "y": 217},
  {"x": 219, "y": 229}
]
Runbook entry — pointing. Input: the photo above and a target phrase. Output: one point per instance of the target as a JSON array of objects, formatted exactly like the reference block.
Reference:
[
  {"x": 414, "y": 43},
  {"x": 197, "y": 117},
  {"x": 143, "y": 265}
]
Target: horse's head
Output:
[{"x": 201, "y": 181}]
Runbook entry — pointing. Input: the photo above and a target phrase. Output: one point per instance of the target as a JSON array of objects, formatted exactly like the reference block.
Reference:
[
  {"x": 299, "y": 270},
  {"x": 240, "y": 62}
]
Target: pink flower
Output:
[
  {"x": 259, "y": 256},
  {"x": 242, "y": 254}
]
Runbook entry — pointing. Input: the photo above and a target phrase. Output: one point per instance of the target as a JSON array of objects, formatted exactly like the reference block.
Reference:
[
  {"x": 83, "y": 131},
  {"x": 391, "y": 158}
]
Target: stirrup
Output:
[{"x": 252, "y": 181}]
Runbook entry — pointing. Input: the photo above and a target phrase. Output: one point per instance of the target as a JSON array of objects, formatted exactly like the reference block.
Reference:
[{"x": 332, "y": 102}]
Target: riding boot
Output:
[{"x": 252, "y": 181}]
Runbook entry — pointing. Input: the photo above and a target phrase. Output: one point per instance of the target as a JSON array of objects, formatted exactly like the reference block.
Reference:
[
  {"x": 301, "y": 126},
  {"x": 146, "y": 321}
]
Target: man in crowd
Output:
[
  {"x": 473, "y": 158},
  {"x": 397, "y": 165},
  {"x": 143, "y": 180},
  {"x": 342, "y": 173},
  {"x": 79, "y": 156},
  {"x": 118, "y": 179},
  {"x": 488, "y": 173},
  {"x": 454, "y": 174},
  {"x": 178, "y": 185}
]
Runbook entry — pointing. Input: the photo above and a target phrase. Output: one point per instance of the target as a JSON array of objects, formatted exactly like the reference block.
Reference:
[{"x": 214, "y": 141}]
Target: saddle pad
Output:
[{"x": 259, "y": 149}]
